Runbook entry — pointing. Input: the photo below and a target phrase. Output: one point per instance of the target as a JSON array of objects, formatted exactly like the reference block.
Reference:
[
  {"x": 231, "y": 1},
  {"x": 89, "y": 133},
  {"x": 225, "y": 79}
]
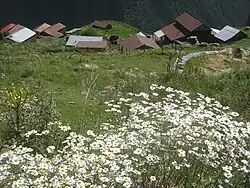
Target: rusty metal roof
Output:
[
  {"x": 134, "y": 42},
  {"x": 188, "y": 21},
  {"x": 7, "y": 28},
  {"x": 42, "y": 28},
  {"x": 55, "y": 28},
  {"x": 99, "y": 24},
  {"x": 53, "y": 33},
  {"x": 92, "y": 44},
  {"x": 172, "y": 33},
  {"x": 15, "y": 29}
]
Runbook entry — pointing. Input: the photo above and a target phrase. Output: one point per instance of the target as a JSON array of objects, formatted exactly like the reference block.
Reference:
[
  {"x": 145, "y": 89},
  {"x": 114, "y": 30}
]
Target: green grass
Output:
[
  {"x": 80, "y": 91},
  {"x": 118, "y": 28}
]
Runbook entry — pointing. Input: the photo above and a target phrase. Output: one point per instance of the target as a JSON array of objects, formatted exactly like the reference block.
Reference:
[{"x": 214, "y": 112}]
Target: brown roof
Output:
[
  {"x": 134, "y": 42},
  {"x": 42, "y": 28},
  {"x": 99, "y": 24},
  {"x": 188, "y": 21},
  {"x": 172, "y": 33},
  {"x": 15, "y": 29},
  {"x": 56, "y": 27},
  {"x": 53, "y": 33},
  {"x": 92, "y": 44}
]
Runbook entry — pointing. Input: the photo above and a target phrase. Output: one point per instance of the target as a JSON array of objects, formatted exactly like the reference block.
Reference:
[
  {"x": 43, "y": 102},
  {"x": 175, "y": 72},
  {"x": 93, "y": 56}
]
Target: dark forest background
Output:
[{"x": 148, "y": 15}]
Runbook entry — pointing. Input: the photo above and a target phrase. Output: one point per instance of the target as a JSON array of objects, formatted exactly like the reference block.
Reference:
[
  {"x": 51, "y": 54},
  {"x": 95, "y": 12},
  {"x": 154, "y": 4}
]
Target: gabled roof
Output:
[
  {"x": 133, "y": 42},
  {"x": 73, "y": 39},
  {"x": 7, "y": 28},
  {"x": 53, "y": 33},
  {"x": 21, "y": 35},
  {"x": 15, "y": 29},
  {"x": 41, "y": 28},
  {"x": 55, "y": 29},
  {"x": 227, "y": 33},
  {"x": 188, "y": 21},
  {"x": 172, "y": 33},
  {"x": 159, "y": 33},
  {"x": 99, "y": 24},
  {"x": 92, "y": 44}
]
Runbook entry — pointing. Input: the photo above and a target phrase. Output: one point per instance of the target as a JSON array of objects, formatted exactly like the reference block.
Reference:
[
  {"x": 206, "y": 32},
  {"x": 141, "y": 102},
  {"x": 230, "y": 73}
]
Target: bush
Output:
[
  {"x": 89, "y": 32},
  {"x": 24, "y": 114}
]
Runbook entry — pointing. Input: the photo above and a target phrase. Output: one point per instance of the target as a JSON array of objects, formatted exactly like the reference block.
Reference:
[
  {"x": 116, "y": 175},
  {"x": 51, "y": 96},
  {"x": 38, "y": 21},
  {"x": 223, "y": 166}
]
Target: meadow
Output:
[{"x": 104, "y": 112}]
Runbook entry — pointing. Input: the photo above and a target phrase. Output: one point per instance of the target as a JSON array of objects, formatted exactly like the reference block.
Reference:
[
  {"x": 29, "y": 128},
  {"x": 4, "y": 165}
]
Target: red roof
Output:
[
  {"x": 7, "y": 28},
  {"x": 172, "y": 33},
  {"x": 15, "y": 29},
  {"x": 135, "y": 41},
  {"x": 188, "y": 21}
]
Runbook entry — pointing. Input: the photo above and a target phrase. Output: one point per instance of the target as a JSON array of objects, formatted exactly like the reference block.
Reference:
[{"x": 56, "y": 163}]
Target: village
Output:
[
  {"x": 109, "y": 105},
  {"x": 185, "y": 30}
]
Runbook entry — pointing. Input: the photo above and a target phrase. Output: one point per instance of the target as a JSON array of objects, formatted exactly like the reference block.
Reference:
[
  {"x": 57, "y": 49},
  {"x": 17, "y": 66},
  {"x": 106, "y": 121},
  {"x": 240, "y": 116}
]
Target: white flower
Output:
[
  {"x": 50, "y": 149},
  {"x": 138, "y": 151},
  {"x": 64, "y": 128},
  {"x": 91, "y": 133},
  {"x": 181, "y": 153},
  {"x": 152, "y": 178}
]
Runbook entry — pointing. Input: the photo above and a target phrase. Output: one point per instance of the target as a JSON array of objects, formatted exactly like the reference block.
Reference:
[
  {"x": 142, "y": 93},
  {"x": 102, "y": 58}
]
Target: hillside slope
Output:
[{"x": 148, "y": 15}]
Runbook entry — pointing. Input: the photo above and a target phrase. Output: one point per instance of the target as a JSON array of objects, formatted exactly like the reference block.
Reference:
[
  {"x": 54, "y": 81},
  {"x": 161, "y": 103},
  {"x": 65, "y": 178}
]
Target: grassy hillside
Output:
[
  {"x": 176, "y": 137},
  {"x": 118, "y": 28},
  {"x": 80, "y": 83}
]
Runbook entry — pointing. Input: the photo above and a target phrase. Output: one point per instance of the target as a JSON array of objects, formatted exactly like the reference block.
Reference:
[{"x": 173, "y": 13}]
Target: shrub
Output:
[
  {"x": 89, "y": 32},
  {"x": 24, "y": 114}
]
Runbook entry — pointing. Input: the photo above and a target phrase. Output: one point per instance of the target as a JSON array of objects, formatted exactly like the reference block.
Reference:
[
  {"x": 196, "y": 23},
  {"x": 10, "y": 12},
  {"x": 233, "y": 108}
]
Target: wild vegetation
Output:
[{"x": 89, "y": 120}]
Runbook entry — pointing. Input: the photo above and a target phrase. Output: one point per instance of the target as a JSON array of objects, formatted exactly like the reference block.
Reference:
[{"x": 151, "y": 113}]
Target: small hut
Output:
[{"x": 101, "y": 25}]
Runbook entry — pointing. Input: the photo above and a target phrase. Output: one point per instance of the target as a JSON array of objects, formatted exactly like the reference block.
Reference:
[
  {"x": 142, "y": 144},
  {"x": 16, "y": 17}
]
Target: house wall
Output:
[
  {"x": 32, "y": 39},
  {"x": 63, "y": 31},
  {"x": 91, "y": 49},
  {"x": 203, "y": 33}
]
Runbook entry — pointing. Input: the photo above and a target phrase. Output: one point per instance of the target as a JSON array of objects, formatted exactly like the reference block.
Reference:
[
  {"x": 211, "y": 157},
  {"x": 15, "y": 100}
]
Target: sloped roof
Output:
[
  {"x": 7, "y": 28},
  {"x": 133, "y": 42},
  {"x": 92, "y": 44},
  {"x": 214, "y": 31},
  {"x": 15, "y": 29},
  {"x": 55, "y": 29},
  {"x": 159, "y": 33},
  {"x": 188, "y": 21},
  {"x": 73, "y": 39},
  {"x": 99, "y": 24},
  {"x": 172, "y": 33},
  {"x": 227, "y": 33},
  {"x": 141, "y": 34},
  {"x": 41, "y": 28},
  {"x": 21, "y": 35},
  {"x": 53, "y": 33}
]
